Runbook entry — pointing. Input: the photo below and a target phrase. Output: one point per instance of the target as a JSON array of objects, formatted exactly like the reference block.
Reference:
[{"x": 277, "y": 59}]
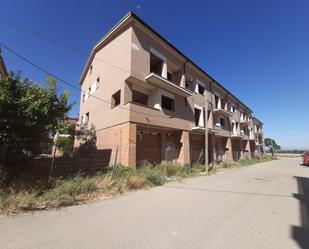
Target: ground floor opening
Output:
[{"x": 134, "y": 145}]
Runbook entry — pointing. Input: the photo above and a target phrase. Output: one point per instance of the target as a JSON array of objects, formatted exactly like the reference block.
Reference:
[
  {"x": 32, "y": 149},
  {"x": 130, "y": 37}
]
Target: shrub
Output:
[
  {"x": 197, "y": 168},
  {"x": 155, "y": 179},
  {"x": 71, "y": 187},
  {"x": 226, "y": 165},
  {"x": 172, "y": 170},
  {"x": 12, "y": 201},
  {"x": 136, "y": 182},
  {"x": 65, "y": 144},
  {"x": 123, "y": 172}
]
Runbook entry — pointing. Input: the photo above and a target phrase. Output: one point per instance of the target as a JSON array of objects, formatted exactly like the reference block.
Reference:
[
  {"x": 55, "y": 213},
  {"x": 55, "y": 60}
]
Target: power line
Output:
[
  {"x": 51, "y": 40},
  {"x": 71, "y": 85}
]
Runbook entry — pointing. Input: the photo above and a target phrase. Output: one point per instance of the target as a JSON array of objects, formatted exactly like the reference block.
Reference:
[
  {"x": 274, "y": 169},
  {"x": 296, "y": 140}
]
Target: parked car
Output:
[{"x": 306, "y": 158}]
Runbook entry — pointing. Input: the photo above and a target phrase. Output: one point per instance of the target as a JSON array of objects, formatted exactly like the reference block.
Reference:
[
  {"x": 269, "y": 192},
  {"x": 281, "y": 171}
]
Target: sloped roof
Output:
[
  {"x": 3, "y": 70},
  {"x": 125, "y": 21}
]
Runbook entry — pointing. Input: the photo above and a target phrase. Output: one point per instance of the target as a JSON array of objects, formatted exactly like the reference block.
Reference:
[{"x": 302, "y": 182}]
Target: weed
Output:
[
  {"x": 136, "y": 182},
  {"x": 27, "y": 194},
  {"x": 122, "y": 172}
]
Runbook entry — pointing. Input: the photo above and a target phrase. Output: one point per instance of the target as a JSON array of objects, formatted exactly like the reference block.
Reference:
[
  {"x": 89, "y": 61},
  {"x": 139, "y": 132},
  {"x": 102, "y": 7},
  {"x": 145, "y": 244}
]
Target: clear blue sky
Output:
[{"x": 257, "y": 49}]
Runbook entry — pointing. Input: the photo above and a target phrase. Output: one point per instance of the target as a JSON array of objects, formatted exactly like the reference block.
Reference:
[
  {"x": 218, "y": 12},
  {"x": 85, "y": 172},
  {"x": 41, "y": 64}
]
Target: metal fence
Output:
[{"x": 45, "y": 160}]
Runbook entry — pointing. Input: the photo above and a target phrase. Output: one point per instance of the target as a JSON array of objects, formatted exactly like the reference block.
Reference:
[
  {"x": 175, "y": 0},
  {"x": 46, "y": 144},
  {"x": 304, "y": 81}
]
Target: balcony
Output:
[
  {"x": 244, "y": 136},
  {"x": 222, "y": 131},
  {"x": 223, "y": 112},
  {"x": 251, "y": 137},
  {"x": 202, "y": 129},
  {"x": 167, "y": 85},
  {"x": 236, "y": 136},
  {"x": 244, "y": 121}
]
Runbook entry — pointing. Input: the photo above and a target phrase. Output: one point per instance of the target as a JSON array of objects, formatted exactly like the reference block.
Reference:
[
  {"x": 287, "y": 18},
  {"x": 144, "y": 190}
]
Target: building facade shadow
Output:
[{"x": 301, "y": 233}]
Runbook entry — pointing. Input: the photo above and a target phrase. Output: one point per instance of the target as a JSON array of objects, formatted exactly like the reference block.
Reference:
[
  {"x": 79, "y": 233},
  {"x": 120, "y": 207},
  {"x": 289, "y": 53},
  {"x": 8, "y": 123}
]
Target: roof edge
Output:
[
  {"x": 2, "y": 65},
  {"x": 132, "y": 14}
]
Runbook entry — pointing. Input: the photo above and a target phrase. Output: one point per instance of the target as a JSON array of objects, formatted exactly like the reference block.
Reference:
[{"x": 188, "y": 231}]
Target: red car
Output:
[{"x": 306, "y": 158}]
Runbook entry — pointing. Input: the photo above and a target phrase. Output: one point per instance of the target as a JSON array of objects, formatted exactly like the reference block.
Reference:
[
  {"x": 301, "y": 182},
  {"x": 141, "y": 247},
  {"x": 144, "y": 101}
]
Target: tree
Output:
[
  {"x": 65, "y": 144},
  {"x": 30, "y": 112},
  {"x": 270, "y": 142}
]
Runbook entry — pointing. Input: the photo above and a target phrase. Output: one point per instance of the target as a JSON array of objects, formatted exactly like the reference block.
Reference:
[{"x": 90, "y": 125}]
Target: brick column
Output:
[
  {"x": 229, "y": 155},
  {"x": 184, "y": 154},
  {"x": 241, "y": 150},
  {"x": 163, "y": 146},
  {"x": 128, "y": 145},
  {"x": 213, "y": 148},
  {"x": 248, "y": 148}
]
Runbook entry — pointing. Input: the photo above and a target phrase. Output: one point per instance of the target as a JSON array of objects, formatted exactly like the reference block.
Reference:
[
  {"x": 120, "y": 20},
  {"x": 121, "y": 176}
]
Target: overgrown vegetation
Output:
[
  {"x": 27, "y": 195},
  {"x": 65, "y": 143},
  {"x": 31, "y": 112}
]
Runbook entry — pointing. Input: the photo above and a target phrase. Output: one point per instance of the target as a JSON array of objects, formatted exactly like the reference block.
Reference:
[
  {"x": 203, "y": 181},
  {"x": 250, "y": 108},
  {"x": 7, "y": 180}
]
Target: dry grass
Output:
[{"x": 26, "y": 195}]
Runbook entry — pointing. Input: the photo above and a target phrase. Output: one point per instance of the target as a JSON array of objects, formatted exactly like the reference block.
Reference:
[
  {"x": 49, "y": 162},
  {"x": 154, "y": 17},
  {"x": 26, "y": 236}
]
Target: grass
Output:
[{"x": 26, "y": 195}]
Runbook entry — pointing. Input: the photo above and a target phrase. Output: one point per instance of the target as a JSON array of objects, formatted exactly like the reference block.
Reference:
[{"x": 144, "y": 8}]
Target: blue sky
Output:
[{"x": 257, "y": 49}]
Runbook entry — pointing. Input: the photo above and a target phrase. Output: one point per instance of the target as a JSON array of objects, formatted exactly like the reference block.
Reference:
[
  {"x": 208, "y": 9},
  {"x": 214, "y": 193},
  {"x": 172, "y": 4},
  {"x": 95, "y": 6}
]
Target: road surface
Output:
[{"x": 262, "y": 206}]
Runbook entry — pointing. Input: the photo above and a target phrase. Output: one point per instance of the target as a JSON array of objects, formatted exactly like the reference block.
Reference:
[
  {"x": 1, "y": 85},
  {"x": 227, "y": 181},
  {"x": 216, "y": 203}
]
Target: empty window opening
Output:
[
  {"x": 233, "y": 108},
  {"x": 217, "y": 101},
  {"x": 190, "y": 85},
  {"x": 86, "y": 118},
  {"x": 197, "y": 113},
  {"x": 116, "y": 99},
  {"x": 222, "y": 121},
  {"x": 208, "y": 115},
  {"x": 97, "y": 83},
  {"x": 169, "y": 76},
  {"x": 156, "y": 64},
  {"x": 168, "y": 103},
  {"x": 140, "y": 98},
  {"x": 90, "y": 69},
  {"x": 83, "y": 97},
  {"x": 201, "y": 89}
]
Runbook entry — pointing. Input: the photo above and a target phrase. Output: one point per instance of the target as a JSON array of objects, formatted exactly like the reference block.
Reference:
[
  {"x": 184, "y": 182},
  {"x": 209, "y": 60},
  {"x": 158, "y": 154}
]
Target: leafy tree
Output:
[
  {"x": 65, "y": 144},
  {"x": 87, "y": 138},
  {"x": 87, "y": 135},
  {"x": 30, "y": 112},
  {"x": 270, "y": 142}
]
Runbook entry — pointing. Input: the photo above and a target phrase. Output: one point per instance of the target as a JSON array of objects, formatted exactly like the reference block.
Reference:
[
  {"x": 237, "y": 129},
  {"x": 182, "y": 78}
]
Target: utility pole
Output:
[
  {"x": 272, "y": 146},
  {"x": 258, "y": 145},
  {"x": 206, "y": 134}
]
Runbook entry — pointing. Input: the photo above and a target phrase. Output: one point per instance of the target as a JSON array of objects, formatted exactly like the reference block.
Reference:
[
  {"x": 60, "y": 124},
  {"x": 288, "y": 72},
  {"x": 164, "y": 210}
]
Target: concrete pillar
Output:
[
  {"x": 241, "y": 150},
  {"x": 183, "y": 81},
  {"x": 127, "y": 150},
  {"x": 229, "y": 153},
  {"x": 163, "y": 146},
  {"x": 214, "y": 152},
  {"x": 248, "y": 148},
  {"x": 164, "y": 70},
  {"x": 127, "y": 96},
  {"x": 184, "y": 154},
  {"x": 219, "y": 103}
]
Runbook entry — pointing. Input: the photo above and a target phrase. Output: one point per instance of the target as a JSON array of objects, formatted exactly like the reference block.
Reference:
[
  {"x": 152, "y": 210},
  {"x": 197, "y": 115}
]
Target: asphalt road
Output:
[{"x": 262, "y": 206}]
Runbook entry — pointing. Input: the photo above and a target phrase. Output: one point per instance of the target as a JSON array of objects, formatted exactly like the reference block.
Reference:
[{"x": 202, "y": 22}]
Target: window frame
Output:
[
  {"x": 168, "y": 98},
  {"x": 113, "y": 102},
  {"x": 139, "y": 103},
  {"x": 220, "y": 119}
]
